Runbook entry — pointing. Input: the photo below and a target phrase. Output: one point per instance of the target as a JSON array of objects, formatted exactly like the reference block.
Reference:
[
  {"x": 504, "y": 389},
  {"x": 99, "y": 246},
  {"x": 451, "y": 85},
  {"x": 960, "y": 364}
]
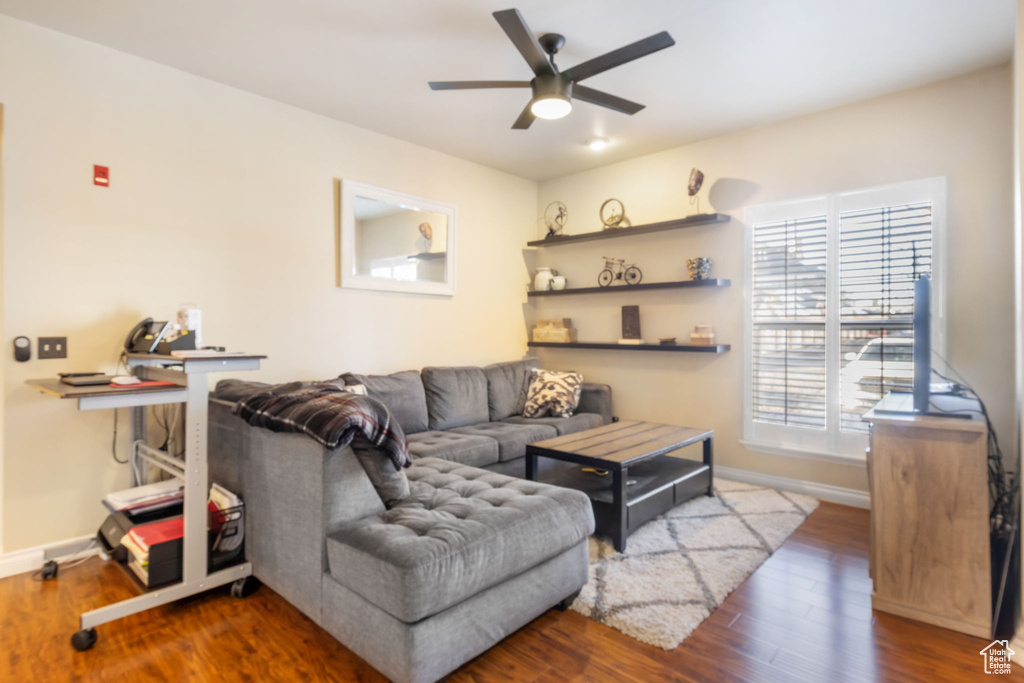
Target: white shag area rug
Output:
[{"x": 678, "y": 568}]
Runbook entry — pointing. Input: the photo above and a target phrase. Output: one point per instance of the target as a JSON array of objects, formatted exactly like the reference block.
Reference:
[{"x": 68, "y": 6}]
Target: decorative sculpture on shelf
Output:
[
  {"x": 699, "y": 268},
  {"x": 543, "y": 279},
  {"x": 555, "y": 218},
  {"x": 696, "y": 180},
  {"x": 616, "y": 269},
  {"x": 703, "y": 335},
  {"x": 631, "y": 325},
  {"x": 613, "y": 213}
]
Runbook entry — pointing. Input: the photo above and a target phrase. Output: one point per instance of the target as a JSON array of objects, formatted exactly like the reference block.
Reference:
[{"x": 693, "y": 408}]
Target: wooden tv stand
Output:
[{"x": 928, "y": 478}]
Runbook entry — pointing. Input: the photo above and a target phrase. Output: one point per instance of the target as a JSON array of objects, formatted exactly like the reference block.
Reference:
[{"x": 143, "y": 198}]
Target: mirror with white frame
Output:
[{"x": 395, "y": 242}]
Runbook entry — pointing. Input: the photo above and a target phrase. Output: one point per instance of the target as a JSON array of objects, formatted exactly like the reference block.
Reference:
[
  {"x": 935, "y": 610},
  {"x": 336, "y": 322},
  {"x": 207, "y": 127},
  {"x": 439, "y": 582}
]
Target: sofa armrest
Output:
[{"x": 596, "y": 398}]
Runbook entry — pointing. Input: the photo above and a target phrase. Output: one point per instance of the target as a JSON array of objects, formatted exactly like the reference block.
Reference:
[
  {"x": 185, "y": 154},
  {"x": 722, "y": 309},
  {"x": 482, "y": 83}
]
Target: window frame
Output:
[{"x": 832, "y": 444}]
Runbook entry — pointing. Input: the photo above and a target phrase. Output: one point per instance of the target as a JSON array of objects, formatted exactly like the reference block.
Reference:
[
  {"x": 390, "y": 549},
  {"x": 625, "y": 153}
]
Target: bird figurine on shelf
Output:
[{"x": 696, "y": 180}]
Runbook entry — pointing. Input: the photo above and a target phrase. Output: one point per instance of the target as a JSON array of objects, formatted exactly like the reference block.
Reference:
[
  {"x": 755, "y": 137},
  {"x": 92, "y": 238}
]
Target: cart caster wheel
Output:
[
  {"x": 243, "y": 588},
  {"x": 84, "y": 639}
]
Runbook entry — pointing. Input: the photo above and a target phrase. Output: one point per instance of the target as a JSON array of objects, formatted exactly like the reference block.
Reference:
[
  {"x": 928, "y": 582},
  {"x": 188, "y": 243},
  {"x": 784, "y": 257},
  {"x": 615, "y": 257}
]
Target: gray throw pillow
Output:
[
  {"x": 506, "y": 387},
  {"x": 401, "y": 392}
]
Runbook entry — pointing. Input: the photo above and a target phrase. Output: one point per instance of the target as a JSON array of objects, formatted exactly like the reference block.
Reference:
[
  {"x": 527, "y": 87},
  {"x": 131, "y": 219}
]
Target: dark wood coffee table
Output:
[{"x": 643, "y": 481}]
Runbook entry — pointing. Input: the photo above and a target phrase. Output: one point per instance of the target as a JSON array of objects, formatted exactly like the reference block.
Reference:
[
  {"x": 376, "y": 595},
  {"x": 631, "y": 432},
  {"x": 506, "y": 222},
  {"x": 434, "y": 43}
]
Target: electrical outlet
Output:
[{"x": 53, "y": 347}]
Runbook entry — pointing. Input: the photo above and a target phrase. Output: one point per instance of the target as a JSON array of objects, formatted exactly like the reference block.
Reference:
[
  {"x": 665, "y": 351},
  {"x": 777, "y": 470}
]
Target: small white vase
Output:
[
  {"x": 558, "y": 282},
  {"x": 542, "y": 280}
]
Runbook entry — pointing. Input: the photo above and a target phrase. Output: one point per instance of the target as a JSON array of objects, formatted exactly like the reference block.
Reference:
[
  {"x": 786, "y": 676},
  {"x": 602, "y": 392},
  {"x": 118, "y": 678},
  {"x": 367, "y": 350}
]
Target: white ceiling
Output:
[{"x": 736, "y": 63}]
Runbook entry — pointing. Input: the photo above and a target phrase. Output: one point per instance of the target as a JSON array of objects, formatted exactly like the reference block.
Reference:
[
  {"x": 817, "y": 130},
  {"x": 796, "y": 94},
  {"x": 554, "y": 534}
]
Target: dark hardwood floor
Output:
[{"x": 804, "y": 615}]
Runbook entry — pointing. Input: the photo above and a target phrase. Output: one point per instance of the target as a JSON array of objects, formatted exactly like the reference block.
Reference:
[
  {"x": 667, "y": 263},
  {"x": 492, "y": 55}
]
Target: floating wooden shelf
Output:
[
  {"x": 682, "y": 284},
  {"x": 693, "y": 348},
  {"x": 688, "y": 222}
]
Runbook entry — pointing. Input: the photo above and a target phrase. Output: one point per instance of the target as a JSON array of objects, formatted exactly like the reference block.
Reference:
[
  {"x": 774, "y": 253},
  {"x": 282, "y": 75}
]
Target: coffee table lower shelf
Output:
[{"x": 661, "y": 484}]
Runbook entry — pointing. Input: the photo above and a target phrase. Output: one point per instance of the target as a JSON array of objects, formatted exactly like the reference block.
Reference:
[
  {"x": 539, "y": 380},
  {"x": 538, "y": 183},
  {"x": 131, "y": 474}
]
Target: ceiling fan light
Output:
[{"x": 551, "y": 107}]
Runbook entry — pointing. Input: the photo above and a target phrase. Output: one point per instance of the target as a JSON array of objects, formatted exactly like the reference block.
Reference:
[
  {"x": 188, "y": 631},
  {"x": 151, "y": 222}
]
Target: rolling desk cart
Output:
[{"x": 190, "y": 387}]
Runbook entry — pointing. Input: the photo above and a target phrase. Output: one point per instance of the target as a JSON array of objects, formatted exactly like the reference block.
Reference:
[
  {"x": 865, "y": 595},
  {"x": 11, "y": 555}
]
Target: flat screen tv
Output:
[
  {"x": 922, "y": 343},
  {"x": 925, "y": 393}
]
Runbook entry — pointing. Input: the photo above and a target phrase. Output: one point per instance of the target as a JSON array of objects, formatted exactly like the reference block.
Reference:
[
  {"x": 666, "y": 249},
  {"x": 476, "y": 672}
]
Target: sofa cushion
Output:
[
  {"x": 460, "y": 531},
  {"x": 456, "y": 397},
  {"x": 506, "y": 387},
  {"x": 512, "y": 438},
  {"x": 564, "y": 425},
  {"x": 475, "y": 451},
  {"x": 401, "y": 392}
]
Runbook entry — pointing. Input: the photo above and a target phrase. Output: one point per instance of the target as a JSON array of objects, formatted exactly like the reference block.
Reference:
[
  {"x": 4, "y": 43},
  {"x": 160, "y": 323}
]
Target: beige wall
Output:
[
  {"x": 3, "y": 368},
  {"x": 224, "y": 199},
  {"x": 958, "y": 128}
]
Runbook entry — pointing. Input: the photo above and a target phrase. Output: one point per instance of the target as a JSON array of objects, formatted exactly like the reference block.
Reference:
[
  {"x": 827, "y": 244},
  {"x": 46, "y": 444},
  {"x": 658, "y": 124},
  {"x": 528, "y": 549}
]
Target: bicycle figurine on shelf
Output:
[{"x": 616, "y": 269}]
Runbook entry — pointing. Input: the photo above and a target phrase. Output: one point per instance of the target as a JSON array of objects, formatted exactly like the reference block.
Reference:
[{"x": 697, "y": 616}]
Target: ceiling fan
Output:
[{"x": 554, "y": 90}]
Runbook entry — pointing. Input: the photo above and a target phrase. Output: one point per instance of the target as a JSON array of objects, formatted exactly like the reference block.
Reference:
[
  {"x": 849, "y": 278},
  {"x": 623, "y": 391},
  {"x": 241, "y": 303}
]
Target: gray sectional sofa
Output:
[
  {"x": 467, "y": 558},
  {"x": 473, "y": 416}
]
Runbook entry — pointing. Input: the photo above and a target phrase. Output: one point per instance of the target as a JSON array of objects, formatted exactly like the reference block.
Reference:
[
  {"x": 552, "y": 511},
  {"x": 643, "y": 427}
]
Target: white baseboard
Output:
[
  {"x": 31, "y": 559},
  {"x": 833, "y": 494}
]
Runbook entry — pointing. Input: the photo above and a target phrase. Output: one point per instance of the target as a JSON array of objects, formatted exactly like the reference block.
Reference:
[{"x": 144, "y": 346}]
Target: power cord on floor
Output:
[{"x": 50, "y": 568}]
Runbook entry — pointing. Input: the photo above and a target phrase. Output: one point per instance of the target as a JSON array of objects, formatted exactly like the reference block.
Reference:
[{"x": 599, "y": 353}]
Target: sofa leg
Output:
[{"x": 567, "y": 602}]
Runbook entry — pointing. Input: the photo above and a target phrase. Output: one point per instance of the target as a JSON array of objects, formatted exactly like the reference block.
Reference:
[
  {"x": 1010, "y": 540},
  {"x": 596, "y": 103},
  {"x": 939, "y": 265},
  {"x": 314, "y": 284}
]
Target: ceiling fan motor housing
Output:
[{"x": 551, "y": 86}]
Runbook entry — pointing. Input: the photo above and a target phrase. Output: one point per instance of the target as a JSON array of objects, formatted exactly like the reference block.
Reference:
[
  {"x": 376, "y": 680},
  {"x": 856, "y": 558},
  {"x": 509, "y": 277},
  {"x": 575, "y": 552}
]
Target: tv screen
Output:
[{"x": 922, "y": 344}]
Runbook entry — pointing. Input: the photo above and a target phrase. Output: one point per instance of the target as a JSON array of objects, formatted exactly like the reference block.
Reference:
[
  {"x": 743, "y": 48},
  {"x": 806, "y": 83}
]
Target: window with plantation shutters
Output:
[
  {"x": 882, "y": 250},
  {"x": 829, "y": 324},
  {"x": 788, "y": 310}
]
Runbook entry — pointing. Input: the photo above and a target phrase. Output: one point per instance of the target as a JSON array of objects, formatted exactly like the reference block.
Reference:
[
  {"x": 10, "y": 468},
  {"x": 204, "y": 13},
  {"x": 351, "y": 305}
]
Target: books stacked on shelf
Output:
[
  {"x": 155, "y": 549},
  {"x": 142, "y": 499}
]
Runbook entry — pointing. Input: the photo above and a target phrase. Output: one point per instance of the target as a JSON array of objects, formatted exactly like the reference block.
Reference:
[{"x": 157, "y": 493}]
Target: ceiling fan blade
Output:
[
  {"x": 525, "y": 119},
  {"x": 603, "y": 99},
  {"x": 522, "y": 37},
  {"x": 470, "y": 85},
  {"x": 610, "y": 60}
]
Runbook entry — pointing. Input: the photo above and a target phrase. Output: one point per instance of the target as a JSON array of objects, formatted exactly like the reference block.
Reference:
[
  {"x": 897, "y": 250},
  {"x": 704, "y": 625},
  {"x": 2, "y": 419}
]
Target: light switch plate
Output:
[{"x": 53, "y": 347}]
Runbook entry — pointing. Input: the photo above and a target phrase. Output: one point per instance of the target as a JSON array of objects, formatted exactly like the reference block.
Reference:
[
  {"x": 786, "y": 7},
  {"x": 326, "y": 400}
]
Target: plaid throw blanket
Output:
[{"x": 328, "y": 414}]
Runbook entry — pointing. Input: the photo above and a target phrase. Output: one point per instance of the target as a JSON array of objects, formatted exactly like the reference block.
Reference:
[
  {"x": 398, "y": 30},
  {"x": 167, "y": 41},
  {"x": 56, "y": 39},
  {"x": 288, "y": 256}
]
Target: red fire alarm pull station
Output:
[{"x": 101, "y": 176}]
